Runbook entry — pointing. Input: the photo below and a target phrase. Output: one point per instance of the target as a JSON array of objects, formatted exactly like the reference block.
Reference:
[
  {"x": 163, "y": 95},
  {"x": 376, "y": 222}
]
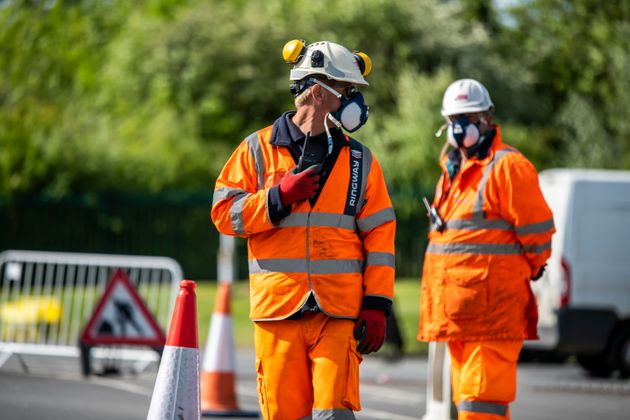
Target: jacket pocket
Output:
[
  {"x": 466, "y": 292},
  {"x": 351, "y": 398},
  {"x": 260, "y": 387}
]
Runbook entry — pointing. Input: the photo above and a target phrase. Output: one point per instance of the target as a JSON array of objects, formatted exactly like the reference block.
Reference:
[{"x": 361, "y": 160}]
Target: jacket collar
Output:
[
  {"x": 284, "y": 132},
  {"x": 497, "y": 144}
]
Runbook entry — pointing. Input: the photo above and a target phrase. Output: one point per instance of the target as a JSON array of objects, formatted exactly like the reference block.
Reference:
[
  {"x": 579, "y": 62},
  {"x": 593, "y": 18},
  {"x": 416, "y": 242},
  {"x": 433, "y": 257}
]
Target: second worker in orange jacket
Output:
[{"x": 490, "y": 234}]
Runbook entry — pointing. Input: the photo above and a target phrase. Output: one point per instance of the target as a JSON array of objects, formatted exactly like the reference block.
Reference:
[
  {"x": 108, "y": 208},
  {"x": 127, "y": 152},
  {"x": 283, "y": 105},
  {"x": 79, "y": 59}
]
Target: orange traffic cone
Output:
[
  {"x": 176, "y": 391},
  {"x": 218, "y": 396}
]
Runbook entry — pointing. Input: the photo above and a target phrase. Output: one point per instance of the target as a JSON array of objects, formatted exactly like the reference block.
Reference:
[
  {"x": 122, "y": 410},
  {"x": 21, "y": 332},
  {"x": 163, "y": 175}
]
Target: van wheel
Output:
[
  {"x": 621, "y": 351},
  {"x": 597, "y": 365}
]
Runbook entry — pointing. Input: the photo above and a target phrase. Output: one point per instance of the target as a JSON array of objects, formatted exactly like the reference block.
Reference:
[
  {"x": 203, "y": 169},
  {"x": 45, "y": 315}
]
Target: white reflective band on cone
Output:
[
  {"x": 219, "y": 355},
  {"x": 176, "y": 392}
]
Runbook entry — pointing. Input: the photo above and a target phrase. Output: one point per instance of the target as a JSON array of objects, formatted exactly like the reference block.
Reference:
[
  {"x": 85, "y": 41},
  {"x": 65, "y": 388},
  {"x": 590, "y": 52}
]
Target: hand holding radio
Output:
[{"x": 299, "y": 186}]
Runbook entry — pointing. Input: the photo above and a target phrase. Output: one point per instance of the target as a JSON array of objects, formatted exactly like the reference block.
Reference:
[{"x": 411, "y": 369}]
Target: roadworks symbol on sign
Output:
[{"x": 121, "y": 317}]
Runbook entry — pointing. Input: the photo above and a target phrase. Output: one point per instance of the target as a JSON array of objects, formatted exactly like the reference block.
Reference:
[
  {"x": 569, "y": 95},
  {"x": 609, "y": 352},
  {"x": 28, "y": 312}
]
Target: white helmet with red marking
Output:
[{"x": 465, "y": 96}]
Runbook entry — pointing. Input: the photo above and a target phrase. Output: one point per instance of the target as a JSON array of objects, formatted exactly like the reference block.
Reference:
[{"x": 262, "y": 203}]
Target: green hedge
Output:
[{"x": 174, "y": 224}]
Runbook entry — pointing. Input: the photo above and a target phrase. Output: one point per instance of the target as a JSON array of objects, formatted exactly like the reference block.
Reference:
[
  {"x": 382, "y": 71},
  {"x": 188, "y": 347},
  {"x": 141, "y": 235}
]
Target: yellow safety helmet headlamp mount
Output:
[{"x": 327, "y": 59}]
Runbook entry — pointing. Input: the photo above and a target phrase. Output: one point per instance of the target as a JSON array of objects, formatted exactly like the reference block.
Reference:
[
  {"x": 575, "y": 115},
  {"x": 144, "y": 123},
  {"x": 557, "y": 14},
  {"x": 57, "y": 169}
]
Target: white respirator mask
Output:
[
  {"x": 463, "y": 133},
  {"x": 352, "y": 113}
]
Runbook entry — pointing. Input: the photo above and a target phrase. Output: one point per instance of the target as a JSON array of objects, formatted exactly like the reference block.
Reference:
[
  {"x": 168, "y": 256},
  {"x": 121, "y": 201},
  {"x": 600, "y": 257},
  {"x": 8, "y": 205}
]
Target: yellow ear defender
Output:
[
  {"x": 293, "y": 51},
  {"x": 364, "y": 61}
]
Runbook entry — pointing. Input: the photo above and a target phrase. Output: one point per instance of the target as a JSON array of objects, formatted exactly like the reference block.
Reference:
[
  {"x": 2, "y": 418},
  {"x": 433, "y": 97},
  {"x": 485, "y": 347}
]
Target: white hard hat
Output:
[
  {"x": 465, "y": 96},
  {"x": 328, "y": 59}
]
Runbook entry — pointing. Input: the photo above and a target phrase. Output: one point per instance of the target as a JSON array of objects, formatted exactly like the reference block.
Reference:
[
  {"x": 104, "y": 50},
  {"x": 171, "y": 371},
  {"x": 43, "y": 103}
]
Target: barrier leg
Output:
[{"x": 439, "y": 399}]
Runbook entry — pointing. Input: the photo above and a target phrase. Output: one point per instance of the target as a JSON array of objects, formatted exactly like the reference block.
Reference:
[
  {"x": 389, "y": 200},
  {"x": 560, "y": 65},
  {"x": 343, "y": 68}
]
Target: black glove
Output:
[{"x": 539, "y": 274}]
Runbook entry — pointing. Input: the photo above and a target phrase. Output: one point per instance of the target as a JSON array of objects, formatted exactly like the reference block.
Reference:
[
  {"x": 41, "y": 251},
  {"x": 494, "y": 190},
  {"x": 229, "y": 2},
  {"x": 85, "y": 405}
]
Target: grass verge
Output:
[{"x": 406, "y": 307}]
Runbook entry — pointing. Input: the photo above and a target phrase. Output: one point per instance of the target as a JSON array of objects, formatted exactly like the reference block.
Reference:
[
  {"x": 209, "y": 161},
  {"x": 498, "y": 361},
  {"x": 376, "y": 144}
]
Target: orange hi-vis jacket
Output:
[
  {"x": 341, "y": 259},
  {"x": 475, "y": 281}
]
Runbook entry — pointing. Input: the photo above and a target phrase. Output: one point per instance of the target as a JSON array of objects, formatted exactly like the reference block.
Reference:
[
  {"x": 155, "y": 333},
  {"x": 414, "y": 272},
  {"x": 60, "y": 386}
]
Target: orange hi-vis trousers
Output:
[
  {"x": 307, "y": 367},
  {"x": 483, "y": 376}
]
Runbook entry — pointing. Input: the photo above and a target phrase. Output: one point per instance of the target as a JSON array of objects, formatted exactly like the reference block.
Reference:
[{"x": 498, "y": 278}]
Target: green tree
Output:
[{"x": 576, "y": 51}]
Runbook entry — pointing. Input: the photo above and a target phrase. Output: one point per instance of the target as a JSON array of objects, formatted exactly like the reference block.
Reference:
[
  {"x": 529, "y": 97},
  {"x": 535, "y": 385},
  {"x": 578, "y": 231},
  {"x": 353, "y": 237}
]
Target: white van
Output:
[{"x": 584, "y": 295}]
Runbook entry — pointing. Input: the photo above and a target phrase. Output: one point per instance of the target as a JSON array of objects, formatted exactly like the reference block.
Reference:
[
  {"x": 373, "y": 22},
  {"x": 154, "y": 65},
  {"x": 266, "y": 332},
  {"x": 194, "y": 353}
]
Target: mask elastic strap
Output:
[
  {"x": 328, "y": 135},
  {"x": 441, "y": 130},
  {"x": 329, "y": 89}
]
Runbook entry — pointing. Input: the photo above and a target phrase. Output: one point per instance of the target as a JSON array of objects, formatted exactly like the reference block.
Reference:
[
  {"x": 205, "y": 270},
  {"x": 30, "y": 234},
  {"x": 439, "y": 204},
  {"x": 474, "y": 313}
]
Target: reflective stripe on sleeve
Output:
[
  {"x": 259, "y": 163},
  {"x": 225, "y": 193},
  {"x": 376, "y": 219},
  {"x": 468, "y": 248},
  {"x": 540, "y": 227},
  {"x": 483, "y": 407},
  {"x": 298, "y": 265},
  {"x": 537, "y": 249},
  {"x": 381, "y": 258},
  {"x": 236, "y": 213}
]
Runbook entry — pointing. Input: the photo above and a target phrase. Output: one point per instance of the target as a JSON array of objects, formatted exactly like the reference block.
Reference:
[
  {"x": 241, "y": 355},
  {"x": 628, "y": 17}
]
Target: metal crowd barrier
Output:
[{"x": 46, "y": 298}]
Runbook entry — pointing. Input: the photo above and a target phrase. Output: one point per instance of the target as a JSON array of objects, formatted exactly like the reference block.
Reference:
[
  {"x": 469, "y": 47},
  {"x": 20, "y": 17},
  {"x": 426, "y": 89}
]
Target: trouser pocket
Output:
[
  {"x": 262, "y": 391},
  {"x": 351, "y": 398}
]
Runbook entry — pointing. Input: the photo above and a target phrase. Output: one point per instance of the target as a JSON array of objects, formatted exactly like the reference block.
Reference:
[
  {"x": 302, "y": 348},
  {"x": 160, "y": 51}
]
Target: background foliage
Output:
[{"x": 151, "y": 96}]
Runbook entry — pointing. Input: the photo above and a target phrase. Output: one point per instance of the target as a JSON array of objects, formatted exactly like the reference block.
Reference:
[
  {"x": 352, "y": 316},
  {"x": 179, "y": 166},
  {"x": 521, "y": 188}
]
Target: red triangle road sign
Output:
[{"x": 121, "y": 317}]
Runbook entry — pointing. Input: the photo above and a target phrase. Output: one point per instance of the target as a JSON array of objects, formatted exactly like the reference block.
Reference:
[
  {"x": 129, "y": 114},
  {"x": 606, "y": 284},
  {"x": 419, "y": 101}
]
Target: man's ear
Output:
[{"x": 316, "y": 93}]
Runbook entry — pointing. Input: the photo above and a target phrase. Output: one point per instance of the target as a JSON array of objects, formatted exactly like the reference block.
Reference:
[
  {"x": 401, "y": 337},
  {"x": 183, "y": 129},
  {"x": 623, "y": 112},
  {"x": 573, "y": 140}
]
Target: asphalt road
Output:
[{"x": 54, "y": 389}]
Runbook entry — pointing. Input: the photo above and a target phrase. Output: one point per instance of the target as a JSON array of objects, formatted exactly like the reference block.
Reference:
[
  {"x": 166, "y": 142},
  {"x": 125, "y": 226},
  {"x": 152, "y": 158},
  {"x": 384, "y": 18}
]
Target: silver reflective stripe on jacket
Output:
[
  {"x": 259, "y": 163},
  {"x": 236, "y": 209},
  {"x": 319, "y": 219},
  {"x": 540, "y": 227},
  {"x": 478, "y": 220},
  {"x": 298, "y": 265},
  {"x": 236, "y": 213},
  {"x": 381, "y": 258},
  {"x": 463, "y": 224},
  {"x": 480, "y": 249},
  {"x": 478, "y": 206},
  {"x": 376, "y": 219},
  {"x": 537, "y": 249},
  {"x": 225, "y": 193},
  {"x": 483, "y": 407},
  {"x": 467, "y": 224}
]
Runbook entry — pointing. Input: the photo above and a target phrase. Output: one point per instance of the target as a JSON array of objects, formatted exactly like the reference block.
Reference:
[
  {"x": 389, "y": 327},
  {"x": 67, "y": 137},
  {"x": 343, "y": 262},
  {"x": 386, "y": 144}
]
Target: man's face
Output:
[{"x": 332, "y": 100}]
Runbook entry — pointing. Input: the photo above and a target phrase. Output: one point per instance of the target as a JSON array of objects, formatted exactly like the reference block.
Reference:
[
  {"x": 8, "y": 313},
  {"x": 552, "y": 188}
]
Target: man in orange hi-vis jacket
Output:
[
  {"x": 320, "y": 226},
  {"x": 490, "y": 235}
]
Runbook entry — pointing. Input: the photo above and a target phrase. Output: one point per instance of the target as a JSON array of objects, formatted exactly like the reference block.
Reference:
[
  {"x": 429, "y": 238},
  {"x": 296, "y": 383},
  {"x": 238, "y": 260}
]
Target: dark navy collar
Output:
[{"x": 285, "y": 132}]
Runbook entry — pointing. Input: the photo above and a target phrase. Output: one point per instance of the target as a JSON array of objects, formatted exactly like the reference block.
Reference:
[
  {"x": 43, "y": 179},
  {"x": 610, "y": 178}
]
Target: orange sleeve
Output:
[
  {"x": 523, "y": 205},
  {"x": 239, "y": 206},
  {"x": 376, "y": 221}
]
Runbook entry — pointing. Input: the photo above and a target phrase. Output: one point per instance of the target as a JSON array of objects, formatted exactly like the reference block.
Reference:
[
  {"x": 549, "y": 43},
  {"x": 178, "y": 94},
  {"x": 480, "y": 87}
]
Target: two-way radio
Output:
[
  {"x": 309, "y": 155},
  {"x": 434, "y": 216}
]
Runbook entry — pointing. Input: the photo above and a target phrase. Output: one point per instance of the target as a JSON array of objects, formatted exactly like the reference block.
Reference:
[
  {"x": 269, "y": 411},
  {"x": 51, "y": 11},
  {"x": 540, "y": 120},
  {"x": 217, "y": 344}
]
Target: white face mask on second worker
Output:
[{"x": 463, "y": 133}]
